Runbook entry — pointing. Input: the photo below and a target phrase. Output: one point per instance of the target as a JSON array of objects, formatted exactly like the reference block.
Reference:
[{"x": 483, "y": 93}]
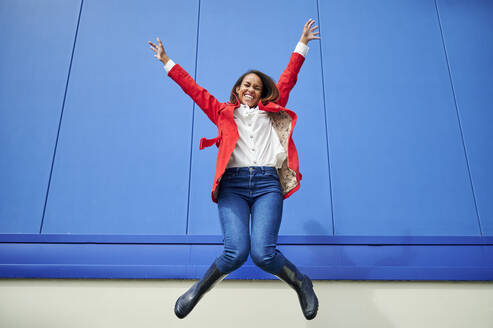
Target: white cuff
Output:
[
  {"x": 169, "y": 65},
  {"x": 302, "y": 49}
]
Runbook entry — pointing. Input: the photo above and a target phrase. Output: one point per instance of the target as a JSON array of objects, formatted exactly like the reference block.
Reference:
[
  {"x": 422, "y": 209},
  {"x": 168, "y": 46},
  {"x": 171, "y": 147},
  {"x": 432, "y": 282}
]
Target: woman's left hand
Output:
[{"x": 309, "y": 33}]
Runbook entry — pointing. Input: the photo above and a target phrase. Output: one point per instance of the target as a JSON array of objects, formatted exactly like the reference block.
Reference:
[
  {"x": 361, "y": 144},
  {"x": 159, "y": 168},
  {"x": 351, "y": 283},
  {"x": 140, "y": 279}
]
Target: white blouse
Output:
[{"x": 258, "y": 143}]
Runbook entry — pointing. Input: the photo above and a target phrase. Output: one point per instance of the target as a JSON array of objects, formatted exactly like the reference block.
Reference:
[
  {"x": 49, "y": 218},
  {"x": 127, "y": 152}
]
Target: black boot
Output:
[
  {"x": 187, "y": 301},
  {"x": 303, "y": 287}
]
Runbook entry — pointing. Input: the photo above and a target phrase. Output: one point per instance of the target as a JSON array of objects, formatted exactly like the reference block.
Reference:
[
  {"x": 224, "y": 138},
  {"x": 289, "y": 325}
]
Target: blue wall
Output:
[{"x": 101, "y": 175}]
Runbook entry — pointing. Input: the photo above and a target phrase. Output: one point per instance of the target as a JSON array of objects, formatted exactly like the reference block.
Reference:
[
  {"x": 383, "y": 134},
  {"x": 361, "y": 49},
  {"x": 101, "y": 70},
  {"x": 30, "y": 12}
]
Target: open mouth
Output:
[{"x": 248, "y": 97}]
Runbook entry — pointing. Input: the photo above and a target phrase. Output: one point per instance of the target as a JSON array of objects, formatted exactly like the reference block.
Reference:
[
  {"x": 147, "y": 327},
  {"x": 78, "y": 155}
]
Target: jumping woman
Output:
[{"x": 256, "y": 169}]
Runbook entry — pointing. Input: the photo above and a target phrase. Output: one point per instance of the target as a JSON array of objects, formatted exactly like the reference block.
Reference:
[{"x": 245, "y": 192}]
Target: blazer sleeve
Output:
[
  {"x": 207, "y": 102},
  {"x": 289, "y": 77}
]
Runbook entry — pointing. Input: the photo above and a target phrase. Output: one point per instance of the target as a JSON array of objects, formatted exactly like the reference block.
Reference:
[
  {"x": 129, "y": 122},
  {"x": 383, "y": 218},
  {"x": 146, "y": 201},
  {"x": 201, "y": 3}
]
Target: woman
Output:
[{"x": 256, "y": 169}]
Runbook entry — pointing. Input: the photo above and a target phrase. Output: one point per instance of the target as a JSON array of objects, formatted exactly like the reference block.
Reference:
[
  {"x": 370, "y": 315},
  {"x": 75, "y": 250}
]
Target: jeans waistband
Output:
[{"x": 250, "y": 170}]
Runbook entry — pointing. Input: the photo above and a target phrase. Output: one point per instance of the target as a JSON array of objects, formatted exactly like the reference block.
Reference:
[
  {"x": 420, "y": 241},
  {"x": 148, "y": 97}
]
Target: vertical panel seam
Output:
[
  {"x": 193, "y": 117},
  {"x": 61, "y": 118},
  {"x": 325, "y": 121},
  {"x": 458, "y": 118}
]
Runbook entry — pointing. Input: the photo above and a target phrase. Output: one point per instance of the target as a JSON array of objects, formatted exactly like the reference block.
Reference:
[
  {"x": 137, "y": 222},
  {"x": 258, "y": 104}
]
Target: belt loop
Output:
[
  {"x": 263, "y": 169},
  {"x": 237, "y": 171}
]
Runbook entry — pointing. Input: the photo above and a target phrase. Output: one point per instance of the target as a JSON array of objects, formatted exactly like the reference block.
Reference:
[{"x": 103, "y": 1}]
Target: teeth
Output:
[{"x": 248, "y": 97}]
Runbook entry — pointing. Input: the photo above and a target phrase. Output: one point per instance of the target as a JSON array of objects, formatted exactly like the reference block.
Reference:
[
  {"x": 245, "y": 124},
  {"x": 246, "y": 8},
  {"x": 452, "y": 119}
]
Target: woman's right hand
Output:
[{"x": 159, "y": 50}]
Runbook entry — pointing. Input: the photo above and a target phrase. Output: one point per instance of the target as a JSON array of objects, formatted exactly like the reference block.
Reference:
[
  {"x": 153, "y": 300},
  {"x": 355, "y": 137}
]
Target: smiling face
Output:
[{"x": 250, "y": 90}]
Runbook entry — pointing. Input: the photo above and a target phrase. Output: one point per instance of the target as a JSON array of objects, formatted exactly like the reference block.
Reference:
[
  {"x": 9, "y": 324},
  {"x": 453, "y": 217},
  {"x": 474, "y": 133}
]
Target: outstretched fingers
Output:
[
  {"x": 156, "y": 47},
  {"x": 309, "y": 23},
  {"x": 309, "y": 31}
]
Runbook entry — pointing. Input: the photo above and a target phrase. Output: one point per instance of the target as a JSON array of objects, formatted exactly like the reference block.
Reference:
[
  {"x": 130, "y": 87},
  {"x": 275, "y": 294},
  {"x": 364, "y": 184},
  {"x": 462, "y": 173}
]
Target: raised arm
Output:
[
  {"x": 290, "y": 75},
  {"x": 207, "y": 102}
]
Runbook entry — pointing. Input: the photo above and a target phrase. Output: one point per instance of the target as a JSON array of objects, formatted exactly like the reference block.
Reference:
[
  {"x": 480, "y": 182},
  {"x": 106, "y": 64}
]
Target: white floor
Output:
[{"x": 52, "y": 303}]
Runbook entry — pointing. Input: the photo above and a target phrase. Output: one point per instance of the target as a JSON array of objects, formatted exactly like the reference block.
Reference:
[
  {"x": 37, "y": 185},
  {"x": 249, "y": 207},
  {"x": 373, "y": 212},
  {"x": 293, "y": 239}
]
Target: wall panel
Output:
[
  {"x": 122, "y": 162},
  {"x": 397, "y": 162},
  {"x": 34, "y": 64},
  {"x": 468, "y": 34},
  {"x": 230, "y": 43}
]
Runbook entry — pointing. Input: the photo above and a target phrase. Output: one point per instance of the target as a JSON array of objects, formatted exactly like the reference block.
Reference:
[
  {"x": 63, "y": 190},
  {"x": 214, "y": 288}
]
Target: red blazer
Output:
[{"x": 221, "y": 114}]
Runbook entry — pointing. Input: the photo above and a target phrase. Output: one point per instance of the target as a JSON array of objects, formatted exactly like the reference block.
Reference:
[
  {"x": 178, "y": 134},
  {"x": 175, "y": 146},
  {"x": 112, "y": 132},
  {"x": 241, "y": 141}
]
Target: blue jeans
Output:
[{"x": 254, "y": 190}]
